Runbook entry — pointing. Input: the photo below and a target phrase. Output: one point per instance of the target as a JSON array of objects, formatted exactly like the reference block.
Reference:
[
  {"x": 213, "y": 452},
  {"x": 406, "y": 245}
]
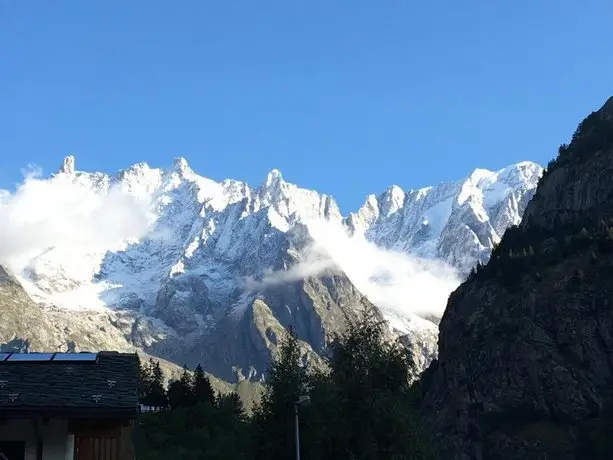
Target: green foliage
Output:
[
  {"x": 151, "y": 390},
  {"x": 371, "y": 378},
  {"x": 363, "y": 406},
  {"x": 181, "y": 392},
  {"x": 274, "y": 415},
  {"x": 198, "y": 426},
  {"x": 594, "y": 134},
  {"x": 232, "y": 405},
  {"x": 202, "y": 389},
  {"x": 190, "y": 390},
  {"x": 527, "y": 250},
  {"x": 144, "y": 380},
  {"x": 200, "y": 432}
]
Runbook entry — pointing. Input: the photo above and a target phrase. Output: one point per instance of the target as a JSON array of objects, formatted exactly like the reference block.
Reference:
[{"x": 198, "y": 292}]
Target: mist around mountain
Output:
[{"x": 196, "y": 271}]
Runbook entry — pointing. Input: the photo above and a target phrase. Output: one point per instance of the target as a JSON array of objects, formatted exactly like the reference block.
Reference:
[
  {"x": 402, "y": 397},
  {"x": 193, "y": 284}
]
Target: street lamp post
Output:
[{"x": 303, "y": 401}]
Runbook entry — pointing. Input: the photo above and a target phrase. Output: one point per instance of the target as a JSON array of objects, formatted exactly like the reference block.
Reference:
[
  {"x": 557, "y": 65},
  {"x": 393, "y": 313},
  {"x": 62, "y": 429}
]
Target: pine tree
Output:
[
  {"x": 145, "y": 378},
  {"x": 157, "y": 385},
  {"x": 232, "y": 403},
  {"x": 369, "y": 400},
  {"x": 274, "y": 415},
  {"x": 203, "y": 391},
  {"x": 152, "y": 385},
  {"x": 181, "y": 392},
  {"x": 176, "y": 397}
]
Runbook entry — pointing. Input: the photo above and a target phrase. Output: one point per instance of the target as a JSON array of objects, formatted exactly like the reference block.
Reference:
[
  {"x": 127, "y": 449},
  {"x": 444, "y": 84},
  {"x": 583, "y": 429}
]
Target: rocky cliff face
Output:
[{"x": 525, "y": 367}]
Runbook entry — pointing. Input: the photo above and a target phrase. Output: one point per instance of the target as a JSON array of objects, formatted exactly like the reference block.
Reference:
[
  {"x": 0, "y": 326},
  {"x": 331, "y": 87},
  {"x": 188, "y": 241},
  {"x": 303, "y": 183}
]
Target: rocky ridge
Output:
[{"x": 526, "y": 343}]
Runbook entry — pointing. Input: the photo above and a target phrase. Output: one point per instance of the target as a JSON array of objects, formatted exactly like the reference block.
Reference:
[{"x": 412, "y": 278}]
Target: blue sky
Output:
[{"x": 344, "y": 96}]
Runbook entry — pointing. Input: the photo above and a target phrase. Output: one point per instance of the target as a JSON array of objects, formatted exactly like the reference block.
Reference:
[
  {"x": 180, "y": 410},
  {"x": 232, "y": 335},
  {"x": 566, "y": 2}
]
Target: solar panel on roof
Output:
[
  {"x": 75, "y": 357},
  {"x": 29, "y": 357},
  {"x": 3, "y": 356}
]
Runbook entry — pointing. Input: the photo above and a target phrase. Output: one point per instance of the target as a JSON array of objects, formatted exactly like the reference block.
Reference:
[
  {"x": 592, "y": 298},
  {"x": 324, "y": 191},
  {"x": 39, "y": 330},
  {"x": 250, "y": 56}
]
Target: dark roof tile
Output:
[{"x": 109, "y": 384}]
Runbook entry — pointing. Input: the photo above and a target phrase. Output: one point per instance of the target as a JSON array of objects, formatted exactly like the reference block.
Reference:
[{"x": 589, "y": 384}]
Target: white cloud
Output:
[
  {"x": 391, "y": 280},
  {"x": 42, "y": 214},
  {"x": 313, "y": 262}
]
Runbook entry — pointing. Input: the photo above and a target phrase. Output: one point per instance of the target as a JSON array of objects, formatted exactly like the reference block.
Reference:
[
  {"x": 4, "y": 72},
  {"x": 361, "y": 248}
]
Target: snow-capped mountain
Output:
[
  {"x": 214, "y": 272},
  {"x": 456, "y": 222}
]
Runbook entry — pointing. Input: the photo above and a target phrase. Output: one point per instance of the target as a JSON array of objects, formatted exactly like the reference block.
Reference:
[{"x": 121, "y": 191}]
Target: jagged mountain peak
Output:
[
  {"x": 180, "y": 163},
  {"x": 391, "y": 200},
  {"x": 479, "y": 174},
  {"x": 68, "y": 166},
  {"x": 523, "y": 171},
  {"x": 274, "y": 186},
  {"x": 273, "y": 178},
  {"x": 180, "y": 166}
]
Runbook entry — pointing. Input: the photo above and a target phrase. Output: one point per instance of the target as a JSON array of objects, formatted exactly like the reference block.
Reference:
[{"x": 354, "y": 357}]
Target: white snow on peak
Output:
[
  {"x": 457, "y": 222},
  {"x": 273, "y": 178},
  {"x": 480, "y": 174},
  {"x": 67, "y": 166},
  {"x": 392, "y": 200},
  {"x": 180, "y": 165}
]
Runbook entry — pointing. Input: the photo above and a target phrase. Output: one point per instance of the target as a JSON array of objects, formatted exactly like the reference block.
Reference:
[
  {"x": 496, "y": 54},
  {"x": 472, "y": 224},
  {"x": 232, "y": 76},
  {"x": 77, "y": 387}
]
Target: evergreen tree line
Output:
[
  {"x": 361, "y": 405},
  {"x": 524, "y": 252},
  {"x": 594, "y": 134},
  {"x": 189, "y": 390},
  {"x": 188, "y": 421}
]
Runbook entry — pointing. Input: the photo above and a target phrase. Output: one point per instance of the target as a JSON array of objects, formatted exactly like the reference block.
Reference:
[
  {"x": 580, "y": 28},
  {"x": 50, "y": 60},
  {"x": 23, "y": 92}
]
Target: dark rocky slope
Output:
[{"x": 525, "y": 368}]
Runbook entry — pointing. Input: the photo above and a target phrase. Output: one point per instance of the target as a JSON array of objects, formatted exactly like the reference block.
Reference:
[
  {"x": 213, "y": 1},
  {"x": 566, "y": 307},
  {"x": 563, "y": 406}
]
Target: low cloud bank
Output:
[
  {"x": 42, "y": 214},
  {"x": 390, "y": 279}
]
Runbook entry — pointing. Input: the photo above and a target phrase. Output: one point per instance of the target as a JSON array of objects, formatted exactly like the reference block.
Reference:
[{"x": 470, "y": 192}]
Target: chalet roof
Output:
[{"x": 100, "y": 385}]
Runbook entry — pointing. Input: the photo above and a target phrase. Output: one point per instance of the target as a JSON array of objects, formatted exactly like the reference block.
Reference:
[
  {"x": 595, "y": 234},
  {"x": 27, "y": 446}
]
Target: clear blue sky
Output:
[{"x": 344, "y": 96}]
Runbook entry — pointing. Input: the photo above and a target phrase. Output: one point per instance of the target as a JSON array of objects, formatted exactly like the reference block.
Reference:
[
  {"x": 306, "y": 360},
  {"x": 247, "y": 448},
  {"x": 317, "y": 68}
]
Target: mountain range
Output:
[{"x": 197, "y": 271}]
